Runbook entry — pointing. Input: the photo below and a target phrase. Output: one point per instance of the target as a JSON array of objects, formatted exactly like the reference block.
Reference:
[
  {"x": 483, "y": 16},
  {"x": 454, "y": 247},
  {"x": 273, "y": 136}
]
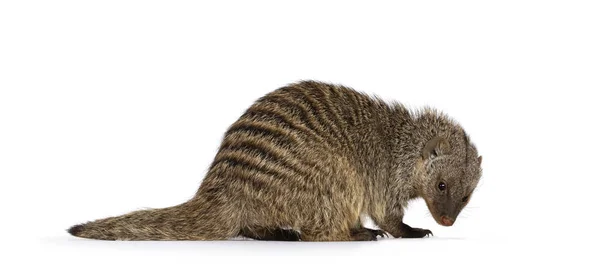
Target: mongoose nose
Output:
[{"x": 446, "y": 221}]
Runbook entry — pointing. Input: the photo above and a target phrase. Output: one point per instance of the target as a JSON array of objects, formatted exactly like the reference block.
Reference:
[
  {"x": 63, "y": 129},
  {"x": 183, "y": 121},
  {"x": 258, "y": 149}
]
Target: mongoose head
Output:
[{"x": 449, "y": 172}]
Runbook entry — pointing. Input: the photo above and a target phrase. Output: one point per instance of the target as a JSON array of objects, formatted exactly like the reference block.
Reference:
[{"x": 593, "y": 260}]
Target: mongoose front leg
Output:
[{"x": 393, "y": 224}]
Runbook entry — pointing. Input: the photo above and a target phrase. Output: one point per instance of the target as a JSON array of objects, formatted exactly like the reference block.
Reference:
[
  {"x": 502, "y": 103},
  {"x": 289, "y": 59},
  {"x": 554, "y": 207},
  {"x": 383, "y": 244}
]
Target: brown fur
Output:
[{"x": 312, "y": 158}]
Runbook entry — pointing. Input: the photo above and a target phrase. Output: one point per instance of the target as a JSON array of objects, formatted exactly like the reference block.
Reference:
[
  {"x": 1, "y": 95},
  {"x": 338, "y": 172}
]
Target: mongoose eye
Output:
[
  {"x": 465, "y": 199},
  {"x": 442, "y": 186}
]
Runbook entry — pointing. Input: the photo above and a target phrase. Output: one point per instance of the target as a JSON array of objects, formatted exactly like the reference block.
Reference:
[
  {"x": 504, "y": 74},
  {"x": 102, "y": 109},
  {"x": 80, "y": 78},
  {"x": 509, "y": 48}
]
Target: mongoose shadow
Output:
[{"x": 305, "y": 161}]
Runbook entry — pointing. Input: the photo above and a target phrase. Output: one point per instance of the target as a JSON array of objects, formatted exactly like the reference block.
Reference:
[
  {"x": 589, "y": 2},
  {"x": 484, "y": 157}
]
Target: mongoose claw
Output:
[
  {"x": 377, "y": 233},
  {"x": 422, "y": 233},
  {"x": 416, "y": 233}
]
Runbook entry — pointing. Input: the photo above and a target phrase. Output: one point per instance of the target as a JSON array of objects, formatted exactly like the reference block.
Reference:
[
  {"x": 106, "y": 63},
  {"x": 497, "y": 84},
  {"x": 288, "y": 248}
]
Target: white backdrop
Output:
[{"x": 112, "y": 106}]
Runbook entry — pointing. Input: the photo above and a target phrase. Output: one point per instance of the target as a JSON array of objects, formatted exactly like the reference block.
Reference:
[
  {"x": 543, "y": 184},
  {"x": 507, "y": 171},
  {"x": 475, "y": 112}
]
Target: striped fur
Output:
[{"x": 305, "y": 162}]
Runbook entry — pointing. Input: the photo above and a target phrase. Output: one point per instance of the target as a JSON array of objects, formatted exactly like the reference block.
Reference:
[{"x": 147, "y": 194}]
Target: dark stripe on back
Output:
[
  {"x": 305, "y": 114},
  {"x": 335, "y": 113},
  {"x": 281, "y": 136},
  {"x": 254, "y": 148},
  {"x": 233, "y": 160},
  {"x": 287, "y": 121},
  {"x": 318, "y": 111}
]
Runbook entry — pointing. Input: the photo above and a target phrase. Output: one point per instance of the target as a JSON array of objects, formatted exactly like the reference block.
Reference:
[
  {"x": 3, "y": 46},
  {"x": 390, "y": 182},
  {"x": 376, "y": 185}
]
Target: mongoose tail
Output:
[{"x": 182, "y": 222}]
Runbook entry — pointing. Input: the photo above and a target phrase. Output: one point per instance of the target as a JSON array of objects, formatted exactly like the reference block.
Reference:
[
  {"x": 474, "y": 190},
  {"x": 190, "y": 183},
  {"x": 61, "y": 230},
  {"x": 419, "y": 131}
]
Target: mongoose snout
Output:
[{"x": 446, "y": 221}]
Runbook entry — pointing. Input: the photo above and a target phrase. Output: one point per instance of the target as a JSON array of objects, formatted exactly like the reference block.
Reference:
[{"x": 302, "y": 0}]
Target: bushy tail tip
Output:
[{"x": 76, "y": 230}]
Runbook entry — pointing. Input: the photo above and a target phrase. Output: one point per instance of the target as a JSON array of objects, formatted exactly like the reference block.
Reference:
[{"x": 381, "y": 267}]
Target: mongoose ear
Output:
[
  {"x": 480, "y": 159},
  {"x": 435, "y": 147}
]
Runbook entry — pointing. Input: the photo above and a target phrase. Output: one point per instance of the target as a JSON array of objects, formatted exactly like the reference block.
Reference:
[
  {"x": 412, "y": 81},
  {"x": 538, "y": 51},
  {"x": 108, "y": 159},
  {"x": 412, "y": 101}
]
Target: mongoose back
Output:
[{"x": 305, "y": 162}]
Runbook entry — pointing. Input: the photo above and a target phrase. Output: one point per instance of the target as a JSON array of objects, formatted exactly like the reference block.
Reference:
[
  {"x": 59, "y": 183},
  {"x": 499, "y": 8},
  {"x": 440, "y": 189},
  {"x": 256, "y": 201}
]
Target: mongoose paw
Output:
[
  {"x": 377, "y": 233},
  {"x": 417, "y": 233},
  {"x": 364, "y": 234},
  {"x": 428, "y": 233},
  {"x": 288, "y": 235}
]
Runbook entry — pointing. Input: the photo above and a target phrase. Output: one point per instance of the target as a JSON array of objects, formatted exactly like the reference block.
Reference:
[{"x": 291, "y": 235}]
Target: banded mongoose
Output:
[{"x": 305, "y": 162}]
